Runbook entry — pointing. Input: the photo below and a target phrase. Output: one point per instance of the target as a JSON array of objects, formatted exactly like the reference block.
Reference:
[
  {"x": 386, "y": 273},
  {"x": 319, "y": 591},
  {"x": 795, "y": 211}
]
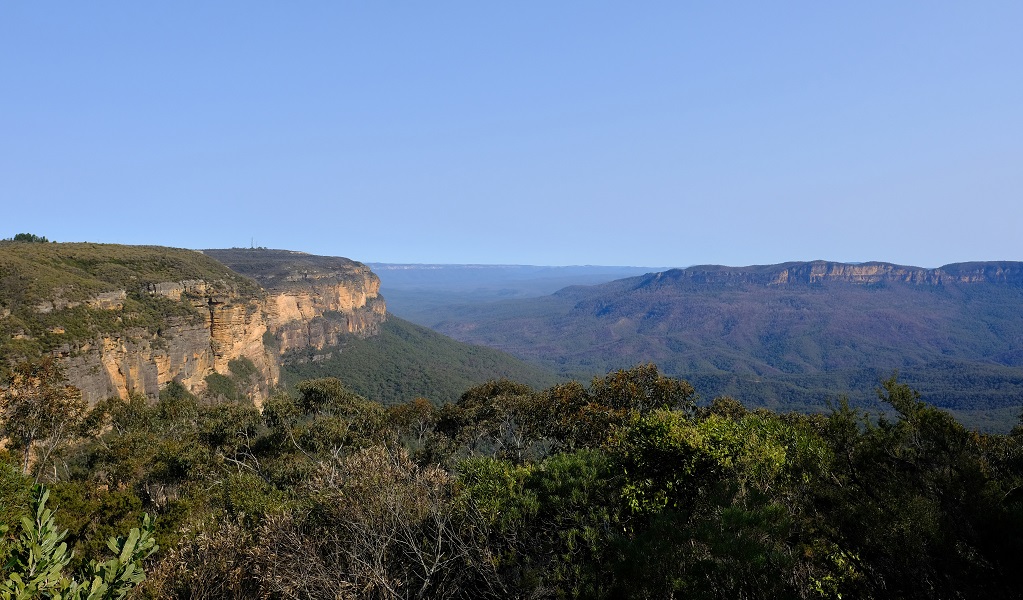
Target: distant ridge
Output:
[{"x": 871, "y": 272}]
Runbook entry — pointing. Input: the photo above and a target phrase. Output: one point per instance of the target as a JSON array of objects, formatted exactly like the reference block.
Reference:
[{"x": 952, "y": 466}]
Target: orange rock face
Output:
[{"x": 297, "y": 312}]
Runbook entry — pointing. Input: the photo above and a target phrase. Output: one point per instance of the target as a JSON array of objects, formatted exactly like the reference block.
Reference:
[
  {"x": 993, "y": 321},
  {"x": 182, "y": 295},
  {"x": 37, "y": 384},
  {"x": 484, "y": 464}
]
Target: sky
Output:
[{"x": 549, "y": 133}]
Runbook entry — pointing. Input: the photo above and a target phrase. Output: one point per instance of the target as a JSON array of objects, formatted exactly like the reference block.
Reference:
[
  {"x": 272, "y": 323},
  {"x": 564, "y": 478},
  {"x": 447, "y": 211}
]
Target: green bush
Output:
[
  {"x": 221, "y": 386},
  {"x": 36, "y": 565},
  {"x": 242, "y": 368},
  {"x": 28, "y": 237}
]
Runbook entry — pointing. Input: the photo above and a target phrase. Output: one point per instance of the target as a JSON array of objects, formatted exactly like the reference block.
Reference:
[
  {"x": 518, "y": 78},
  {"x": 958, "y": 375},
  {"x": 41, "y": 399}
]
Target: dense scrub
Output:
[{"x": 623, "y": 488}]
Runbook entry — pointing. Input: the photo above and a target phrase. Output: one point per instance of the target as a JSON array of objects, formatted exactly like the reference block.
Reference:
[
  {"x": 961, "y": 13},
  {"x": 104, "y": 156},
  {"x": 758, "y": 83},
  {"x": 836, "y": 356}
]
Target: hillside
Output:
[
  {"x": 406, "y": 361},
  {"x": 391, "y": 362},
  {"x": 287, "y": 268},
  {"x": 129, "y": 319},
  {"x": 790, "y": 335},
  {"x": 315, "y": 301}
]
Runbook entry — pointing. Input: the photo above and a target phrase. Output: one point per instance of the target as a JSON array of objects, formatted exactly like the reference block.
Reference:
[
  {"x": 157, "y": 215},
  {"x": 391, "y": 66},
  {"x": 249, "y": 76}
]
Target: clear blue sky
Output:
[{"x": 629, "y": 133}]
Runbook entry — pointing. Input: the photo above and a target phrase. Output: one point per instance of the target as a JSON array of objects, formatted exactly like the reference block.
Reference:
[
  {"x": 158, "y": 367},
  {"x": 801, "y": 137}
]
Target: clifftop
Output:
[
  {"x": 285, "y": 268},
  {"x": 78, "y": 272}
]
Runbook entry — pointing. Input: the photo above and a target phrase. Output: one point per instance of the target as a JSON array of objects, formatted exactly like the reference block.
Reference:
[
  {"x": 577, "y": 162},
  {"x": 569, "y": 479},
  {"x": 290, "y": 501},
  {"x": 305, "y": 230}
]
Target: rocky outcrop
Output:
[
  {"x": 319, "y": 314},
  {"x": 138, "y": 362},
  {"x": 312, "y": 301},
  {"x": 107, "y": 301},
  {"x": 820, "y": 271},
  {"x": 186, "y": 350}
]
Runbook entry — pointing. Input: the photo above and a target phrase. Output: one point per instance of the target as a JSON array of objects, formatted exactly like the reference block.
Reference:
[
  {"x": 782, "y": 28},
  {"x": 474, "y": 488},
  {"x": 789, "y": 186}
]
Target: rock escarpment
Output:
[
  {"x": 311, "y": 301},
  {"x": 122, "y": 326},
  {"x": 186, "y": 350},
  {"x": 819, "y": 271}
]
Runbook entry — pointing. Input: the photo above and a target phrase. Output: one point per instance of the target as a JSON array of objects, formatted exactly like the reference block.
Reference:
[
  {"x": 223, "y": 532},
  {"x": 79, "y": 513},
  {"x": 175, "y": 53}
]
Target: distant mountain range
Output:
[{"x": 790, "y": 335}]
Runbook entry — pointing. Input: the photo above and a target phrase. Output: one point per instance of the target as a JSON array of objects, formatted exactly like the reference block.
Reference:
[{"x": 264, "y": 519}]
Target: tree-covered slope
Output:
[{"x": 405, "y": 361}]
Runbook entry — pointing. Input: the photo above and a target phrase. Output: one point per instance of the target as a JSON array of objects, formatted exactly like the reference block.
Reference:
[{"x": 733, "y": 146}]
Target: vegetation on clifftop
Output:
[
  {"x": 46, "y": 289},
  {"x": 279, "y": 268},
  {"x": 34, "y": 273}
]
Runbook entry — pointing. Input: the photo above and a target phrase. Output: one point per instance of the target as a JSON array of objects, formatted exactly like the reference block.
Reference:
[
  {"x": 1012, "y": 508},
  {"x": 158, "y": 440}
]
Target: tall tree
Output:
[{"x": 39, "y": 407}]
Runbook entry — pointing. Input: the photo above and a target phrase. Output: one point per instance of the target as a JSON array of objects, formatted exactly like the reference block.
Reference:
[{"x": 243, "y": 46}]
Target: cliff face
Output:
[
  {"x": 185, "y": 350},
  {"x": 312, "y": 301},
  {"x": 142, "y": 335},
  {"x": 317, "y": 310},
  {"x": 817, "y": 272}
]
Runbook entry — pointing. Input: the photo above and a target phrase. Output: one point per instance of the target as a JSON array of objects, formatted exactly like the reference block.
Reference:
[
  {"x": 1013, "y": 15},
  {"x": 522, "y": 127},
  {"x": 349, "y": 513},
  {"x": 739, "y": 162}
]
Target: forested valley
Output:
[
  {"x": 625, "y": 487},
  {"x": 785, "y": 336}
]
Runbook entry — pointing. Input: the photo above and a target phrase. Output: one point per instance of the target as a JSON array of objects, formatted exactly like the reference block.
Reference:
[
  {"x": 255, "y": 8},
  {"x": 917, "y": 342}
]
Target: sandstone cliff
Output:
[
  {"x": 817, "y": 272},
  {"x": 147, "y": 332},
  {"x": 311, "y": 300},
  {"x": 226, "y": 326}
]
